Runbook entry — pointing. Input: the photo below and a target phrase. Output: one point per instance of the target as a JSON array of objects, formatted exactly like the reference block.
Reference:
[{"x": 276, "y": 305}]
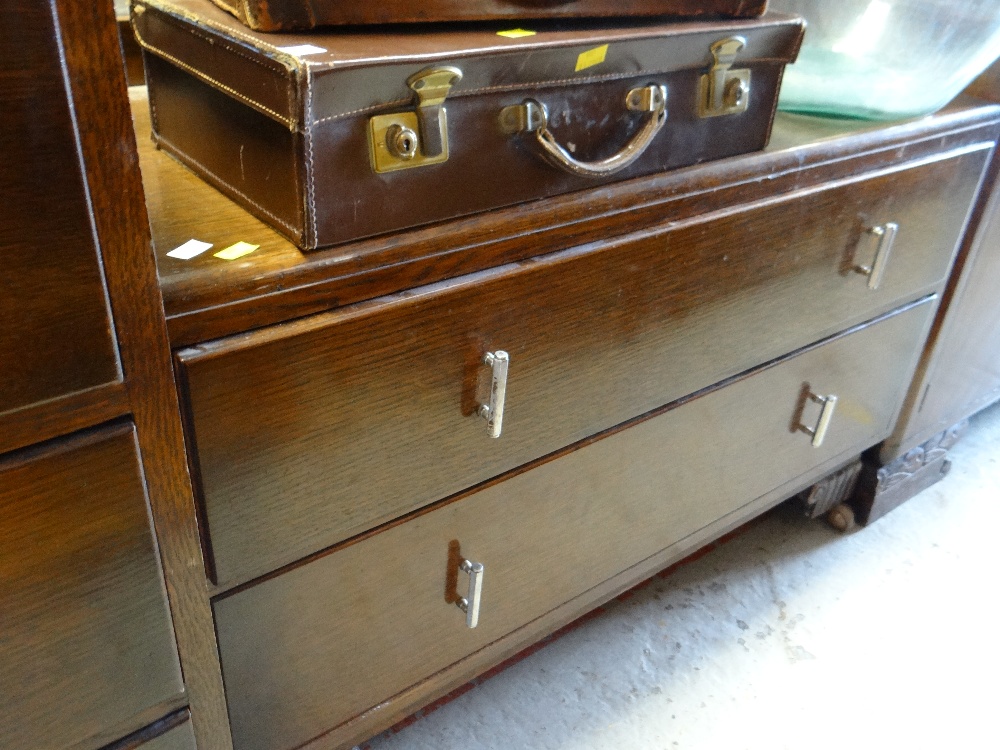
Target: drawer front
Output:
[
  {"x": 55, "y": 335},
  {"x": 317, "y": 430},
  {"x": 179, "y": 738},
  {"x": 306, "y": 650},
  {"x": 86, "y": 641}
]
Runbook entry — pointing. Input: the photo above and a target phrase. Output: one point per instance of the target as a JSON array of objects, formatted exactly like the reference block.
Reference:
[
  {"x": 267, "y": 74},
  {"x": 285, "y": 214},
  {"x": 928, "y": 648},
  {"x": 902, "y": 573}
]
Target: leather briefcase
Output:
[
  {"x": 288, "y": 15},
  {"x": 335, "y": 137}
]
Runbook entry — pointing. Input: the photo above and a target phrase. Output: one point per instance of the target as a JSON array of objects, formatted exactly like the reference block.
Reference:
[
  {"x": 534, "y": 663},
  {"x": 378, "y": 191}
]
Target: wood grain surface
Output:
[
  {"x": 207, "y": 297},
  {"x": 108, "y": 152},
  {"x": 960, "y": 370},
  {"x": 178, "y": 738},
  {"x": 173, "y": 732},
  {"x": 52, "y": 300},
  {"x": 317, "y": 430},
  {"x": 313, "y": 647},
  {"x": 87, "y": 647}
]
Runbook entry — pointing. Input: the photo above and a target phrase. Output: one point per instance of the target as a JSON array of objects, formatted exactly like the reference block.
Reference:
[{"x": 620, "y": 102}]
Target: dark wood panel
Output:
[
  {"x": 178, "y": 738},
  {"x": 206, "y": 297},
  {"x": 59, "y": 416},
  {"x": 131, "y": 51},
  {"x": 52, "y": 299},
  {"x": 322, "y": 429},
  {"x": 403, "y": 704},
  {"x": 960, "y": 373},
  {"x": 97, "y": 81},
  {"x": 309, "y": 649},
  {"x": 987, "y": 85},
  {"x": 87, "y": 639},
  {"x": 173, "y": 732}
]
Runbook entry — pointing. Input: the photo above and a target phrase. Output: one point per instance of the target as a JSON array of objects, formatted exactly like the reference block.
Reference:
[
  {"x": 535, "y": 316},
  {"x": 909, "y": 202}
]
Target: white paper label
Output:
[
  {"x": 189, "y": 249},
  {"x": 300, "y": 50}
]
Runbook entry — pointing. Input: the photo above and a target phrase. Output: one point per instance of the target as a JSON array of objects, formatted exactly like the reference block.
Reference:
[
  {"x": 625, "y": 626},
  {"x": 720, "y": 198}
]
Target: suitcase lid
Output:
[{"x": 305, "y": 79}]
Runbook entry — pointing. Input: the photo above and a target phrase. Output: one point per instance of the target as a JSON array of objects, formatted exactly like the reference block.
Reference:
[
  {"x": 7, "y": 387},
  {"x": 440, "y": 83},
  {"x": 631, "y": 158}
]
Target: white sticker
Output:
[
  {"x": 189, "y": 249},
  {"x": 300, "y": 50}
]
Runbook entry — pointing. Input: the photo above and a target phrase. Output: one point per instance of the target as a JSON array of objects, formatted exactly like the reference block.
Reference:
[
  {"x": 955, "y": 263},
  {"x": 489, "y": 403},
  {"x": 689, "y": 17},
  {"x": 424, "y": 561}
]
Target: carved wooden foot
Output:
[{"x": 883, "y": 488}]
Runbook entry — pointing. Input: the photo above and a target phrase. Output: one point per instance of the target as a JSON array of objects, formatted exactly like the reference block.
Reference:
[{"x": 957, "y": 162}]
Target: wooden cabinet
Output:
[
  {"x": 106, "y": 635},
  {"x": 676, "y": 343},
  {"x": 324, "y": 428},
  {"x": 86, "y": 626},
  {"x": 959, "y": 371},
  {"x": 675, "y": 346},
  {"x": 338, "y": 635},
  {"x": 54, "y": 305},
  {"x": 53, "y": 302}
]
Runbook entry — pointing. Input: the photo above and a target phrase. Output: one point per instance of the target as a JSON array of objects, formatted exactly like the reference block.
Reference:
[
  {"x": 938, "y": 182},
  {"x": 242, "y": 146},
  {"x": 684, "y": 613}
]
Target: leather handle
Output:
[{"x": 532, "y": 116}]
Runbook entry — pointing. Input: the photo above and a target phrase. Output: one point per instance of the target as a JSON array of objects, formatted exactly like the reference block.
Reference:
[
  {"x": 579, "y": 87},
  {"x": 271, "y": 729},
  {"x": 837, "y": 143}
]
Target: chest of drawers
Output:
[{"x": 685, "y": 351}]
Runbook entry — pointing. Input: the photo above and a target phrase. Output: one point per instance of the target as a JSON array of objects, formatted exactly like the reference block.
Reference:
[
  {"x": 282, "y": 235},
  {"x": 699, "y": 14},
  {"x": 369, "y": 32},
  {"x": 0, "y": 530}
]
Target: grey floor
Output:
[{"x": 788, "y": 636}]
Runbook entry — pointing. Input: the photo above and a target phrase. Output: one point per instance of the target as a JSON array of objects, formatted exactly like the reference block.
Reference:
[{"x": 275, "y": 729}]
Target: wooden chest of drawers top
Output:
[{"x": 207, "y": 298}]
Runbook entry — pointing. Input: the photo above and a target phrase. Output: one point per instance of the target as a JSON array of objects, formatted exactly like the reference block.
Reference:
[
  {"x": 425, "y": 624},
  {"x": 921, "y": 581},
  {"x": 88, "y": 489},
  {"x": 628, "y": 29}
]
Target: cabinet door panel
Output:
[
  {"x": 53, "y": 305},
  {"x": 86, "y": 641}
]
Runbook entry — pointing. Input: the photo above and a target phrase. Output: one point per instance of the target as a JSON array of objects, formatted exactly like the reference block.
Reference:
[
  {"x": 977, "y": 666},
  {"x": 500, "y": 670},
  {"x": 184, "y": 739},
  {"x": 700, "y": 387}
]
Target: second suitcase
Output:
[
  {"x": 334, "y": 137},
  {"x": 286, "y": 15}
]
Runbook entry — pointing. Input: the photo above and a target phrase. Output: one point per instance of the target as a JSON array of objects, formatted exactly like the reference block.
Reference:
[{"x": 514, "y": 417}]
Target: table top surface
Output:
[{"x": 277, "y": 281}]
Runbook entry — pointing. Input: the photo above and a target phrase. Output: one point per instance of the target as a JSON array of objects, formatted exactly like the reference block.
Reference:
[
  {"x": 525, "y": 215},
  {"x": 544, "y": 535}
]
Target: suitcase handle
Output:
[{"x": 533, "y": 116}]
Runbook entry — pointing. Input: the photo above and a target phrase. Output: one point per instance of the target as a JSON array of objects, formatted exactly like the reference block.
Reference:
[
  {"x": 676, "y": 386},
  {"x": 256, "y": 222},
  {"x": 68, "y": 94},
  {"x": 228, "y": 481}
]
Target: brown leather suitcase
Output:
[
  {"x": 288, "y": 15},
  {"x": 331, "y": 138}
]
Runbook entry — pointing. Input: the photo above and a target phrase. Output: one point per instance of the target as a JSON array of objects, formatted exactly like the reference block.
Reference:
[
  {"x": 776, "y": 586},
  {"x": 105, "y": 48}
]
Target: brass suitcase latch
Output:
[
  {"x": 724, "y": 91},
  {"x": 415, "y": 139}
]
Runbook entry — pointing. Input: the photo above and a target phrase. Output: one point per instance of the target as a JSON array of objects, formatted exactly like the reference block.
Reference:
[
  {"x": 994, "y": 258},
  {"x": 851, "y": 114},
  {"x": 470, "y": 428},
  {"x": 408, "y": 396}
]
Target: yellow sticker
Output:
[
  {"x": 516, "y": 33},
  {"x": 236, "y": 251},
  {"x": 591, "y": 57}
]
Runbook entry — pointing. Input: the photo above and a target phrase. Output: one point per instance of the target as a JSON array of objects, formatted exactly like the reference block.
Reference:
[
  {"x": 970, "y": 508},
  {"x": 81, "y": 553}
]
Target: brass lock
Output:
[
  {"x": 724, "y": 91},
  {"x": 414, "y": 139},
  {"x": 402, "y": 142}
]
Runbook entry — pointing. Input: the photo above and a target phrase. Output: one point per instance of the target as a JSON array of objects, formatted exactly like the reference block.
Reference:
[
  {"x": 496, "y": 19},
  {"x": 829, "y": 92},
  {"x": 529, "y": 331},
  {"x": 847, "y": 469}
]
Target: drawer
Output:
[
  {"x": 316, "y": 430},
  {"x": 86, "y": 640},
  {"x": 56, "y": 335},
  {"x": 180, "y": 737},
  {"x": 306, "y": 650}
]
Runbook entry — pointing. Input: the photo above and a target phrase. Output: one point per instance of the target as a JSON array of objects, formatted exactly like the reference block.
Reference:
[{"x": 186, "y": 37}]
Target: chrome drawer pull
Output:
[
  {"x": 825, "y": 415},
  {"x": 886, "y": 238},
  {"x": 493, "y": 411},
  {"x": 470, "y": 603}
]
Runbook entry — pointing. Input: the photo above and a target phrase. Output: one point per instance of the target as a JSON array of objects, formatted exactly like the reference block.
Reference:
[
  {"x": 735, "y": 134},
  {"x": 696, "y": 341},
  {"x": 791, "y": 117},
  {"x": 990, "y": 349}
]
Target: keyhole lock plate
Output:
[
  {"x": 724, "y": 90},
  {"x": 417, "y": 138}
]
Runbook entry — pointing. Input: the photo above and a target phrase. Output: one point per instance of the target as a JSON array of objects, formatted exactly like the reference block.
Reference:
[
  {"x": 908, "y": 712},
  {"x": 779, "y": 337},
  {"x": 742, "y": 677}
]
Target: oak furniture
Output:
[
  {"x": 105, "y": 629},
  {"x": 675, "y": 354},
  {"x": 683, "y": 351},
  {"x": 959, "y": 370}
]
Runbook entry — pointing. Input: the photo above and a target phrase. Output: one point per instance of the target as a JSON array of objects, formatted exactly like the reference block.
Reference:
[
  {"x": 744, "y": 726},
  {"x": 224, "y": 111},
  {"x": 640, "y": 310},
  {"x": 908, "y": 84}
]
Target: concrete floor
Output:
[{"x": 788, "y": 636}]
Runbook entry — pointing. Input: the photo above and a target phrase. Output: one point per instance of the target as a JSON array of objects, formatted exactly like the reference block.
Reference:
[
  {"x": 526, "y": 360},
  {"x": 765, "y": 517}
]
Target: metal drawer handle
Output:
[
  {"x": 493, "y": 411},
  {"x": 534, "y": 116},
  {"x": 825, "y": 415},
  {"x": 886, "y": 239},
  {"x": 470, "y": 603}
]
